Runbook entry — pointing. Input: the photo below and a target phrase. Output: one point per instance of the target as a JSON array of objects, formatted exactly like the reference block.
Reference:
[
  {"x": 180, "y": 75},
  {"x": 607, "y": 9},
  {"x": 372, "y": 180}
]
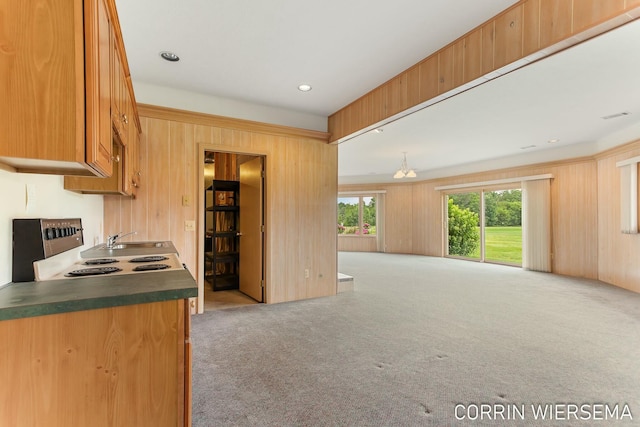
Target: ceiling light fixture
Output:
[
  {"x": 170, "y": 56},
  {"x": 404, "y": 171},
  {"x": 378, "y": 130},
  {"x": 553, "y": 141},
  {"x": 304, "y": 88}
]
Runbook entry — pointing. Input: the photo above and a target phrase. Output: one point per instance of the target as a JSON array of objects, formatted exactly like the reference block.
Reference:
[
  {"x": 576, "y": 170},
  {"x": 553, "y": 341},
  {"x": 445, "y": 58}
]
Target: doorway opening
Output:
[
  {"x": 485, "y": 225},
  {"x": 232, "y": 259}
]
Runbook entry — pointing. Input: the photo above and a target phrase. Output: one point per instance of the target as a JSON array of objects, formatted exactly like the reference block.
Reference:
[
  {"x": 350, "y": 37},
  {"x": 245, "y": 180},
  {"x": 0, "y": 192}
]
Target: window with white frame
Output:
[{"x": 357, "y": 215}]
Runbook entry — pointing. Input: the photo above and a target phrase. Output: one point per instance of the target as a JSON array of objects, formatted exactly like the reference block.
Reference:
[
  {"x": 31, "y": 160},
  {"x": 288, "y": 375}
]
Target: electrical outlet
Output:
[
  {"x": 186, "y": 201},
  {"x": 189, "y": 226},
  {"x": 306, "y": 273}
]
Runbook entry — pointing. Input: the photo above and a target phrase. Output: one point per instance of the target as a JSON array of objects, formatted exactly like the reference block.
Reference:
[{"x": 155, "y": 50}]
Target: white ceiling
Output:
[{"x": 260, "y": 51}]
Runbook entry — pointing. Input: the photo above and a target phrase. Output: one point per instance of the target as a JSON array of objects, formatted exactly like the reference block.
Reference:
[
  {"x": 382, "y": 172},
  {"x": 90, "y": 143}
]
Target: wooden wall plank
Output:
[
  {"x": 429, "y": 78},
  {"x": 555, "y": 21},
  {"x": 508, "y": 37},
  {"x": 473, "y": 56},
  {"x": 488, "y": 47},
  {"x": 140, "y": 209},
  {"x": 531, "y": 27},
  {"x": 413, "y": 86},
  {"x": 446, "y": 69},
  {"x": 586, "y": 12}
]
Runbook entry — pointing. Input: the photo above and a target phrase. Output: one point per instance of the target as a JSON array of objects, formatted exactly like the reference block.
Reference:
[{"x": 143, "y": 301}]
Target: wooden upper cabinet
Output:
[
  {"x": 98, "y": 87},
  {"x": 508, "y": 37},
  {"x": 47, "y": 70},
  {"x": 121, "y": 99}
]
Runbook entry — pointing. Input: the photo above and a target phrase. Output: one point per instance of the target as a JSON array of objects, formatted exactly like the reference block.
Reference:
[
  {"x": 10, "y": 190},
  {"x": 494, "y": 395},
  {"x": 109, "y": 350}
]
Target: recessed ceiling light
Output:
[
  {"x": 304, "y": 87},
  {"x": 553, "y": 140},
  {"x": 170, "y": 56},
  {"x": 526, "y": 147}
]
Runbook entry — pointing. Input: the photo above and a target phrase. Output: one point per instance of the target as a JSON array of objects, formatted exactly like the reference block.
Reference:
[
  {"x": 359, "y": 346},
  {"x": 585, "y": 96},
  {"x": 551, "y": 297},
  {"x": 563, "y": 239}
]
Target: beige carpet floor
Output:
[{"x": 424, "y": 341}]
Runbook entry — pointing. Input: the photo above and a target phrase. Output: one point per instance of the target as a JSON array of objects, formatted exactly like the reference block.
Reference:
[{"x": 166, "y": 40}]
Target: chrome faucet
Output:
[{"x": 112, "y": 238}]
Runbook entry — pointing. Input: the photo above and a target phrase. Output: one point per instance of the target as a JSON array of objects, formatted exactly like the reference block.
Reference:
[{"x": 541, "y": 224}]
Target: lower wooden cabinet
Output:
[{"x": 118, "y": 366}]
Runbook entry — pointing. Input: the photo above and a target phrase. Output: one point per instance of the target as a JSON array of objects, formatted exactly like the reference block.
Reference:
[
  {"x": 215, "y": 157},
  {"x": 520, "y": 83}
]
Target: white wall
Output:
[
  {"x": 192, "y": 101},
  {"x": 51, "y": 201}
]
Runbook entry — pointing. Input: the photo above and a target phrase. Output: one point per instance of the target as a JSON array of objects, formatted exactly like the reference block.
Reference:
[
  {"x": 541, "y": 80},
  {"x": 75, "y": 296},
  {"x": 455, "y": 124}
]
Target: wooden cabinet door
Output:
[
  {"x": 42, "y": 94},
  {"x": 98, "y": 143},
  {"x": 116, "y": 366},
  {"x": 116, "y": 87}
]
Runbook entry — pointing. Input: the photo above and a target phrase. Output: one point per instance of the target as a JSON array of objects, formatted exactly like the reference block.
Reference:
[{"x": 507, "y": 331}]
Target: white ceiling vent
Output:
[{"x": 613, "y": 116}]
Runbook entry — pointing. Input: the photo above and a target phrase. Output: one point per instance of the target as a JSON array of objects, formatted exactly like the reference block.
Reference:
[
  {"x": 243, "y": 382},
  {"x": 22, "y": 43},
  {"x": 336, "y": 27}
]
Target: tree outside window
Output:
[{"x": 357, "y": 215}]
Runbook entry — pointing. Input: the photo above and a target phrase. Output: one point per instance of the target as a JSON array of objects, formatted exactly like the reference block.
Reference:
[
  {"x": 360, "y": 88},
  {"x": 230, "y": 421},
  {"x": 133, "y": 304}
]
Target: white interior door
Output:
[{"x": 251, "y": 229}]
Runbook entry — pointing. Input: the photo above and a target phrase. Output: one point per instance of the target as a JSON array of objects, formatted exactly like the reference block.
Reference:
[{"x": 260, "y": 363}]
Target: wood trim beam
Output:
[
  {"x": 494, "y": 182},
  {"x": 172, "y": 114},
  {"x": 520, "y": 35}
]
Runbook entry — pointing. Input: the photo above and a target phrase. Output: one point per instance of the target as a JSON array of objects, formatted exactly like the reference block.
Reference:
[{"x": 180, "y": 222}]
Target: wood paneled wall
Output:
[
  {"x": 618, "y": 254},
  {"x": 398, "y": 214},
  {"x": 414, "y": 213},
  {"x": 300, "y": 196},
  {"x": 357, "y": 244},
  {"x": 540, "y": 27}
]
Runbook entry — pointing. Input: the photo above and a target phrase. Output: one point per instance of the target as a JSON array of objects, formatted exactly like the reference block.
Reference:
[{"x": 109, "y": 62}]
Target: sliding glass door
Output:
[{"x": 486, "y": 225}]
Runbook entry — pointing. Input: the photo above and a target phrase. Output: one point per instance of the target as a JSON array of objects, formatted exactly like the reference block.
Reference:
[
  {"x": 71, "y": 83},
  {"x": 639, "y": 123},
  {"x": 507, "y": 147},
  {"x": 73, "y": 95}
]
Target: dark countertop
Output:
[{"x": 29, "y": 299}]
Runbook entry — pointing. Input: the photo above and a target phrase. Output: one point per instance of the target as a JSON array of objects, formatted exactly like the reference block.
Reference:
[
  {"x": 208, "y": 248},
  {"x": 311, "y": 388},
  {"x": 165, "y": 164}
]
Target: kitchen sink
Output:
[{"x": 140, "y": 245}]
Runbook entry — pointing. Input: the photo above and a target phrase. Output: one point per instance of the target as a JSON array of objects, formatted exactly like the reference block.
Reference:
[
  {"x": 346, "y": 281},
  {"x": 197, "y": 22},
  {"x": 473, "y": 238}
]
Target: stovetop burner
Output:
[
  {"x": 100, "y": 261},
  {"x": 152, "y": 258},
  {"x": 93, "y": 271},
  {"x": 90, "y": 267},
  {"x": 150, "y": 267}
]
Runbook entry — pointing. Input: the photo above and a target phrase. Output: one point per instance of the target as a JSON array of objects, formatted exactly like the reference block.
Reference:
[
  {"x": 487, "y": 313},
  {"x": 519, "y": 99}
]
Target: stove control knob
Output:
[{"x": 49, "y": 233}]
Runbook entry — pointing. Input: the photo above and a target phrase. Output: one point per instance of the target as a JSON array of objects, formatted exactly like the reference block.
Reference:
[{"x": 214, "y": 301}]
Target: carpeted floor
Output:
[{"x": 424, "y": 341}]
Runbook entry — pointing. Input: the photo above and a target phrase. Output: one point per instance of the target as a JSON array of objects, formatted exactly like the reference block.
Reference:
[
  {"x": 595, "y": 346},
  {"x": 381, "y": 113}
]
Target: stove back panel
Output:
[{"x": 35, "y": 239}]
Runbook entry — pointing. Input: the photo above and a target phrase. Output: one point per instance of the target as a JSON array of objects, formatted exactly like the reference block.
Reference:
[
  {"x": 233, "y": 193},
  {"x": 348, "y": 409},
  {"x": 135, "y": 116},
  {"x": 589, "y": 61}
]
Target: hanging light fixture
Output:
[{"x": 404, "y": 171}]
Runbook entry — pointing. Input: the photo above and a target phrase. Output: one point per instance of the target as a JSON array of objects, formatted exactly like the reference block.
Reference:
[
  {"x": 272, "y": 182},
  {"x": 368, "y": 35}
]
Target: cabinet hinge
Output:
[
  {"x": 262, "y": 174},
  {"x": 262, "y": 283},
  {"x": 262, "y": 228}
]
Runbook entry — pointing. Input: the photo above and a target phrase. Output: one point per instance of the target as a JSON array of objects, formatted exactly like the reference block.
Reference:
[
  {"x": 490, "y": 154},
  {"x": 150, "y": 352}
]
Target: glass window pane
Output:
[
  {"x": 369, "y": 216},
  {"x": 348, "y": 215},
  {"x": 503, "y": 226},
  {"x": 464, "y": 225}
]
